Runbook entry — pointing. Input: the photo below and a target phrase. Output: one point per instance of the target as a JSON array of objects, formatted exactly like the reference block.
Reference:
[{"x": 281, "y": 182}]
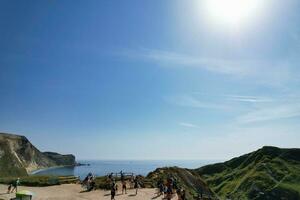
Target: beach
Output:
[{"x": 75, "y": 192}]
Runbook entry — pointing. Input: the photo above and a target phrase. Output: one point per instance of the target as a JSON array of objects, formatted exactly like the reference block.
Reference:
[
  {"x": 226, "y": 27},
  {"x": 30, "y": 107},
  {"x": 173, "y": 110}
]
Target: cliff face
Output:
[{"x": 18, "y": 156}]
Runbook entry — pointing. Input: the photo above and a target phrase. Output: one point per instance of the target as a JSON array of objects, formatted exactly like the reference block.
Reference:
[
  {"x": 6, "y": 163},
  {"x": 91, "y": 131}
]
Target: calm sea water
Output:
[{"x": 103, "y": 167}]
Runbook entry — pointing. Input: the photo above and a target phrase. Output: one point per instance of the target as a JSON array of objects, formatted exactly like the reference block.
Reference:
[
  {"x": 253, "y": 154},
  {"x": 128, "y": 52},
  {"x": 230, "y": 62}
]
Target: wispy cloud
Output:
[
  {"x": 246, "y": 108},
  {"x": 271, "y": 112},
  {"x": 272, "y": 72},
  {"x": 250, "y": 99},
  {"x": 190, "y": 101},
  {"x": 174, "y": 59},
  {"x": 189, "y": 125},
  {"x": 208, "y": 101}
]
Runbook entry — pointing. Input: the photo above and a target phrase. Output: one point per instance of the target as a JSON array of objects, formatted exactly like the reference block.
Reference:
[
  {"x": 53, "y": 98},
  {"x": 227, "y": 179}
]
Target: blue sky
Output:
[{"x": 149, "y": 79}]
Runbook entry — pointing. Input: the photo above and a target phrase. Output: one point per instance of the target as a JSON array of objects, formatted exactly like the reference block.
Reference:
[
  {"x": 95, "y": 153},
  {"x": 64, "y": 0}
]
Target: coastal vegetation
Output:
[
  {"x": 268, "y": 173},
  {"x": 186, "y": 179},
  {"x": 40, "y": 181}
]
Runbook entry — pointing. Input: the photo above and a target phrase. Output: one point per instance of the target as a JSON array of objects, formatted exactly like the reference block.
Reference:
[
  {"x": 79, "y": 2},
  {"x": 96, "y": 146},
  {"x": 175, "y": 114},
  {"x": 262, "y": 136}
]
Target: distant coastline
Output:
[
  {"x": 57, "y": 167},
  {"x": 48, "y": 168}
]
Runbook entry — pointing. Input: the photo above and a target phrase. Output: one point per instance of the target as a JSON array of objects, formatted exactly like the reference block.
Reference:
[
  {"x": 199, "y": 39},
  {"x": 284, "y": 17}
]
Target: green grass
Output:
[
  {"x": 258, "y": 175},
  {"x": 40, "y": 180}
]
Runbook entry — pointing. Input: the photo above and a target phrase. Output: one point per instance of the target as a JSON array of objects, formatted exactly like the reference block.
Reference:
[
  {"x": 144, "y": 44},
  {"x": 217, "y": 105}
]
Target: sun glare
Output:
[{"x": 232, "y": 12}]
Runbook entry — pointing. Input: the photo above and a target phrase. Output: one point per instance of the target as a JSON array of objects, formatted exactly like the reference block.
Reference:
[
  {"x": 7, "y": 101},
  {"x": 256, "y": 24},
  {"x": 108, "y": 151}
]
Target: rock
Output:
[{"x": 18, "y": 156}]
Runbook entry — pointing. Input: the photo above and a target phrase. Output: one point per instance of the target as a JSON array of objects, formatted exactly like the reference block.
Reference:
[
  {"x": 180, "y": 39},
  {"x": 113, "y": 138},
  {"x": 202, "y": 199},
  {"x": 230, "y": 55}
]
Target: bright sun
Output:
[{"x": 232, "y": 12}]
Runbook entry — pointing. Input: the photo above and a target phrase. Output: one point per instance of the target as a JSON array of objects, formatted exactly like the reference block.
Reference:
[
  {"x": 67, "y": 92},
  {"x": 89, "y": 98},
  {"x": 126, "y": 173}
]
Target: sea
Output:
[{"x": 104, "y": 167}]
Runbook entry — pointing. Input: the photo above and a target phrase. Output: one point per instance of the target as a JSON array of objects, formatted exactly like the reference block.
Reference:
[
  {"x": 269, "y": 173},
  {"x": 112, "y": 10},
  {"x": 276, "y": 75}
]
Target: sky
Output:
[{"x": 151, "y": 79}]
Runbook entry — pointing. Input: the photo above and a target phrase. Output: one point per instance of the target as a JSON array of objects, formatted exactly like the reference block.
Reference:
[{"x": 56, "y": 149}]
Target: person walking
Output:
[
  {"x": 9, "y": 188},
  {"x": 136, "y": 185},
  {"x": 113, "y": 192},
  {"x": 124, "y": 188},
  {"x": 15, "y": 185}
]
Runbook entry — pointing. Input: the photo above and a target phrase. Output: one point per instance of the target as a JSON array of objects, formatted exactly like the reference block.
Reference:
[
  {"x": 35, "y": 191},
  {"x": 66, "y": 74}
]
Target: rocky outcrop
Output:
[{"x": 18, "y": 156}]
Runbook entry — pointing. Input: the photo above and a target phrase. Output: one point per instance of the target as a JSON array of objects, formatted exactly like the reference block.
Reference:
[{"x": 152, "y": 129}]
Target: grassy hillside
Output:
[
  {"x": 186, "y": 179},
  {"x": 269, "y": 173},
  {"x": 62, "y": 160},
  {"x": 41, "y": 180}
]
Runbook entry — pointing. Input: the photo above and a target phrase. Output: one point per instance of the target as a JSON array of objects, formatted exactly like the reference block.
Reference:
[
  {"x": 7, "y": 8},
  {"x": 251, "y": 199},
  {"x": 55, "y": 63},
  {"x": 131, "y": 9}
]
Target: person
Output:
[
  {"x": 110, "y": 176},
  {"x": 169, "y": 192},
  {"x": 136, "y": 185},
  {"x": 86, "y": 180},
  {"x": 124, "y": 187},
  {"x": 122, "y": 176},
  {"x": 161, "y": 188},
  {"x": 113, "y": 191},
  {"x": 132, "y": 182},
  {"x": 175, "y": 183},
  {"x": 200, "y": 193},
  {"x": 183, "y": 195},
  {"x": 15, "y": 185},
  {"x": 9, "y": 188},
  {"x": 91, "y": 185},
  {"x": 178, "y": 192}
]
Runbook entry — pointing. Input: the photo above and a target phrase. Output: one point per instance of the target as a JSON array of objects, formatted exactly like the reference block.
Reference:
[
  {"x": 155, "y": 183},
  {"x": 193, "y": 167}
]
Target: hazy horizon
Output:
[{"x": 155, "y": 80}]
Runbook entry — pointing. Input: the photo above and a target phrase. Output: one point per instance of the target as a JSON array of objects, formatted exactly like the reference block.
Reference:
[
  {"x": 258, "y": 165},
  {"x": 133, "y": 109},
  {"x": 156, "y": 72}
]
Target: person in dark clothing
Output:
[
  {"x": 161, "y": 188},
  {"x": 110, "y": 177},
  {"x": 9, "y": 188},
  {"x": 122, "y": 176},
  {"x": 91, "y": 185},
  {"x": 113, "y": 191},
  {"x": 136, "y": 185},
  {"x": 15, "y": 185},
  {"x": 183, "y": 197},
  {"x": 124, "y": 188}
]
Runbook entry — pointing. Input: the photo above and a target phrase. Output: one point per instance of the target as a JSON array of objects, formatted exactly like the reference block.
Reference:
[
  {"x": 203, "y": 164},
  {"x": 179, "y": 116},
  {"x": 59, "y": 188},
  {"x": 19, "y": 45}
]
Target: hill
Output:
[
  {"x": 268, "y": 173},
  {"x": 18, "y": 156},
  {"x": 185, "y": 179},
  {"x": 59, "y": 159}
]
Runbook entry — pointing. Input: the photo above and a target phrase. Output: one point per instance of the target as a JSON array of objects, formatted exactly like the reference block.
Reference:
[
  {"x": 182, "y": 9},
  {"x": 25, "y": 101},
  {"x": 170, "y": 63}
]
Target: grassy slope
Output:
[
  {"x": 186, "y": 179},
  {"x": 267, "y": 173},
  {"x": 40, "y": 180}
]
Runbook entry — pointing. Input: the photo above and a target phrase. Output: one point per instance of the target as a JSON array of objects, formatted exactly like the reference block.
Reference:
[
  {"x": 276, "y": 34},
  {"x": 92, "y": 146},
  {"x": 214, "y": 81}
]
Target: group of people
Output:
[
  {"x": 89, "y": 182},
  {"x": 168, "y": 189},
  {"x": 134, "y": 183},
  {"x": 13, "y": 186}
]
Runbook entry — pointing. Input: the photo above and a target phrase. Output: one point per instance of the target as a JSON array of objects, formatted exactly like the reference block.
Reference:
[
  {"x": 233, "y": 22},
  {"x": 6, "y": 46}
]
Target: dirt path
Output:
[{"x": 73, "y": 192}]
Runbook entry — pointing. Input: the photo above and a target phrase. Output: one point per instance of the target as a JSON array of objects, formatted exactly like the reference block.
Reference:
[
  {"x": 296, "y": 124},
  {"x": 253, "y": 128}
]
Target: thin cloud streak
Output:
[
  {"x": 189, "y": 125},
  {"x": 255, "y": 108},
  {"x": 172, "y": 59},
  {"x": 250, "y": 99},
  {"x": 221, "y": 102},
  {"x": 274, "y": 112},
  {"x": 274, "y": 72},
  {"x": 190, "y": 101}
]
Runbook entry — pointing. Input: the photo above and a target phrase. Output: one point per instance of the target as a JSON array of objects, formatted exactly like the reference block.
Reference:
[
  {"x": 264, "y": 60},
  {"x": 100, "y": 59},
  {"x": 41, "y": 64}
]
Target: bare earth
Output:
[{"x": 74, "y": 192}]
